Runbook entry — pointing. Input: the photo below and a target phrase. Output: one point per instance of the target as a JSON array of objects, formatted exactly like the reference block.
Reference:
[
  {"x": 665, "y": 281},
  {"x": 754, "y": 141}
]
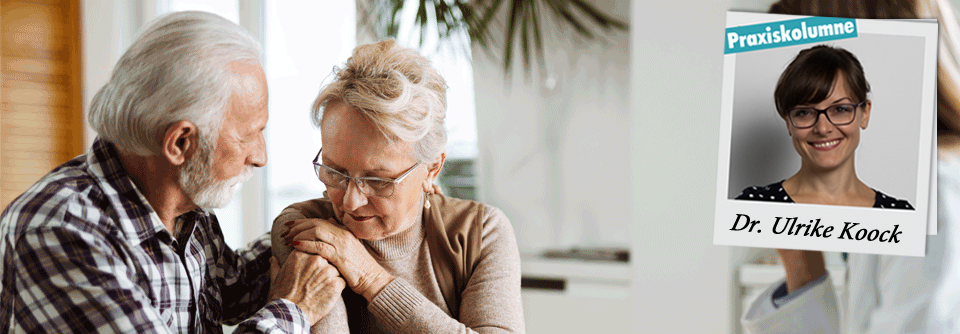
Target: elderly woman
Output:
[
  {"x": 822, "y": 98},
  {"x": 413, "y": 261}
]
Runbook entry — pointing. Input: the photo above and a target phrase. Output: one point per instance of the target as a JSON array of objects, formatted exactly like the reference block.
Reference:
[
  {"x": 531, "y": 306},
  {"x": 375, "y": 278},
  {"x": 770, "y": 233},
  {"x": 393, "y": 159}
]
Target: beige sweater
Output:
[{"x": 413, "y": 303}]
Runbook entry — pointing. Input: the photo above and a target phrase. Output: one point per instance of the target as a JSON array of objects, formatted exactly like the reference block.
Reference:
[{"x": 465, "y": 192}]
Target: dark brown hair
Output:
[
  {"x": 864, "y": 9},
  {"x": 810, "y": 76},
  {"x": 948, "y": 104}
]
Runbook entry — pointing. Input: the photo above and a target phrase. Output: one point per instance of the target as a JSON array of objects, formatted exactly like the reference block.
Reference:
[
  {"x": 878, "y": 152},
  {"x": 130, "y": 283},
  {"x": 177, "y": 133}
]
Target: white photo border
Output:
[{"x": 912, "y": 223}]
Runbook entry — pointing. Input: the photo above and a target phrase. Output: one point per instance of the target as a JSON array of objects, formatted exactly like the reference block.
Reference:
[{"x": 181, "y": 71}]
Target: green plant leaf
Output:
[
  {"x": 601, "y": 19},
  {"x": 477, "y": 18}
]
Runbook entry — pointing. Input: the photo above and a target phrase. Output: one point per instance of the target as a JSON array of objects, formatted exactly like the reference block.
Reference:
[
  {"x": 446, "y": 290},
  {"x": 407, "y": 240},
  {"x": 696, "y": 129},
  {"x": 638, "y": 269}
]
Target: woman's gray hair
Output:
[
  {"x": 398, "y": 90},
  {"x": 178, "y": 68}
]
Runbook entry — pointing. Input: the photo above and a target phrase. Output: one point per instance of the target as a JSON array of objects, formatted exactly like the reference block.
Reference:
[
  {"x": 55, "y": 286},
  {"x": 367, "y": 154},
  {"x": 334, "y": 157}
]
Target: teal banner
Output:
[{"x": 786, "y": 33}]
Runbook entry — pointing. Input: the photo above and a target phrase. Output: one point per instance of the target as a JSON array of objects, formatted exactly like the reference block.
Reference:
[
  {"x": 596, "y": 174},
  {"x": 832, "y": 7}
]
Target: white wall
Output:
[
  {"x": 554, "y": 157},
  {"x": 682, "y": 282}
]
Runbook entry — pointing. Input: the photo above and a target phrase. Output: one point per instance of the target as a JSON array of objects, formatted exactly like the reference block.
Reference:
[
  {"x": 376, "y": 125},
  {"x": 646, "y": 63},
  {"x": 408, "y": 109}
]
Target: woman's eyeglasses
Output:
[
  {"x": 837, "y": 114},
  {"x": 370, "y": 186}
]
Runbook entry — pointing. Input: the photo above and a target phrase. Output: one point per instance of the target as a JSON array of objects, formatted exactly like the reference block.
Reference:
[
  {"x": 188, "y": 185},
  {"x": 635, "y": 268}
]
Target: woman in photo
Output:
[{"x": 822, "y": 98}]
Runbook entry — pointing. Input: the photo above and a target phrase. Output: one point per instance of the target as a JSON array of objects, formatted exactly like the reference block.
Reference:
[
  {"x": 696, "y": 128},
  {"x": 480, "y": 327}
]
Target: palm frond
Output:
[
  {"x": 601, "y": 19},
  {"x": 515, "y": 11},
  {"x": 477, "y": 17}
]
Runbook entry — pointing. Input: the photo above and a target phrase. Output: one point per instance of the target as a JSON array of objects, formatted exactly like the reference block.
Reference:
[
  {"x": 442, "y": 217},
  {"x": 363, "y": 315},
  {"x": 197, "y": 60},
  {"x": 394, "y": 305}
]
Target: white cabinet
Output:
[{"x": 575, "y": 296}]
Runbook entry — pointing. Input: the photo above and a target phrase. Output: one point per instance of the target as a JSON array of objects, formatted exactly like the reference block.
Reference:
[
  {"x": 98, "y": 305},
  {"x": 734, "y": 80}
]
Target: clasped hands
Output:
[
  {"x": 325, "y": 259},
  {"x": 343, "y": 250}
]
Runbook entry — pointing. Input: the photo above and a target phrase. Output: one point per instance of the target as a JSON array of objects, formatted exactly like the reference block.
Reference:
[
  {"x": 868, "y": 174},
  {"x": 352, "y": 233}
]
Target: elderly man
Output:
[{"x": 118, "y": 239}]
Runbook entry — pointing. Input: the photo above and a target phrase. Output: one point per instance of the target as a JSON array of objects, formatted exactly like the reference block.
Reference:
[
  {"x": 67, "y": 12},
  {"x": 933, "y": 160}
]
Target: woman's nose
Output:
[
  {"x": 823, "y": 124},
  {"x": 353, "y": 198}
]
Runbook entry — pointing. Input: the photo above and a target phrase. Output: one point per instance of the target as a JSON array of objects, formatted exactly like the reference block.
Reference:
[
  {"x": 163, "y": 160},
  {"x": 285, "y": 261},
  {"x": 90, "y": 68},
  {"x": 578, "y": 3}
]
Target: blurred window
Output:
[{"x": 304, "y": 41}]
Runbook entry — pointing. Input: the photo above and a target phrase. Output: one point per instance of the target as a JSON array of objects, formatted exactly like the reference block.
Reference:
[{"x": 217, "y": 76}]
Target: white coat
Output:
[
  {"x": 883, "y": 294},
  {"x": 944, "y": 312}
]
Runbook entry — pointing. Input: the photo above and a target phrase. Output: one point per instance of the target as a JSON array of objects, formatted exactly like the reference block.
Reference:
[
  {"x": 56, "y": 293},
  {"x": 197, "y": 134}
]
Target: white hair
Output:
[
  {"x": 178, "y": 69},
  {"x": 197, "y": 179},
  {"x": 398, "y": 90}
]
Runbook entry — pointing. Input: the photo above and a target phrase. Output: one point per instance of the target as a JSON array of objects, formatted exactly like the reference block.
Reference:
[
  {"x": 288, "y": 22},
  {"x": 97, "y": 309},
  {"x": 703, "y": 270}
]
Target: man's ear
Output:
[
  {"x": 433, "y": 171},
  {"x": 180, "y": 141}
]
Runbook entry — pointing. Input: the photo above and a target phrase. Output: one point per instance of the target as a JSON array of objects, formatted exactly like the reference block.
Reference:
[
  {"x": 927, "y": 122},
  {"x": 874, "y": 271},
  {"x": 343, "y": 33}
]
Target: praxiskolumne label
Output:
[{"x": 785, "y": 33}]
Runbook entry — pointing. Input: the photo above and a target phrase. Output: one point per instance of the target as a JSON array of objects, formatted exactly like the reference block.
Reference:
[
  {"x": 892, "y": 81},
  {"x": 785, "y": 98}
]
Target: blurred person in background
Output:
[{"x": 883, "y": 294}]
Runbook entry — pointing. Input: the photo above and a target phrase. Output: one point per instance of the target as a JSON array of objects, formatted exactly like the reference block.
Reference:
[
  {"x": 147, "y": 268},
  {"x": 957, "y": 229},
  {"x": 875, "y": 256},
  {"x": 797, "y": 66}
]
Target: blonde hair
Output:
[{"x": 398, "y": 90}]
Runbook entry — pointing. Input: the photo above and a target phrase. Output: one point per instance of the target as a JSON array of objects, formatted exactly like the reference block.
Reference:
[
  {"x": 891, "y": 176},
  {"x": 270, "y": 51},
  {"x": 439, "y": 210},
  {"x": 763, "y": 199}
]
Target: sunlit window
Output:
[{"x": 304, "y": 40}]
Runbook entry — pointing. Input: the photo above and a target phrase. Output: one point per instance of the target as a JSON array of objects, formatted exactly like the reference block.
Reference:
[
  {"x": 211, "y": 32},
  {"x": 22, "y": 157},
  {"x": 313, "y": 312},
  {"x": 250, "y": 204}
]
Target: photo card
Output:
[{"x": 812, "y": 105}]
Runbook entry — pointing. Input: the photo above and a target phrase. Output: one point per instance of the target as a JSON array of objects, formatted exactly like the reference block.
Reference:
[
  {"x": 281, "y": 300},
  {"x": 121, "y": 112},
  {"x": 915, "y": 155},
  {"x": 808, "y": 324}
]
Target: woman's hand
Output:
[
  {"x": 339, "y": 246},
  {"x": 802, "y": 267}
]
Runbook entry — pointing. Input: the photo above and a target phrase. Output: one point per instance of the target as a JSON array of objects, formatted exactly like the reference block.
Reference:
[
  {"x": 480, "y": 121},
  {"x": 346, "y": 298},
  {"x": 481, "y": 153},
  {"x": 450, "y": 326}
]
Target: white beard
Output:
[{"x": 197, "y": 180}]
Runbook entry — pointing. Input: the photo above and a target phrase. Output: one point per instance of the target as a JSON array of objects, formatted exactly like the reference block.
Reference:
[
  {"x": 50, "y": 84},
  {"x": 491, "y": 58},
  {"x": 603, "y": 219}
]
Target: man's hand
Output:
[{"x": 308, "y": 281}]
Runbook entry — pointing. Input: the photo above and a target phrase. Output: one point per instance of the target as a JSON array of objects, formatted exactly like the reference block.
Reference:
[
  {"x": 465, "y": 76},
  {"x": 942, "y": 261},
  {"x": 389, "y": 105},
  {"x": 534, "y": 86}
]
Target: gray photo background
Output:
[{"x": 761, "y": 151}]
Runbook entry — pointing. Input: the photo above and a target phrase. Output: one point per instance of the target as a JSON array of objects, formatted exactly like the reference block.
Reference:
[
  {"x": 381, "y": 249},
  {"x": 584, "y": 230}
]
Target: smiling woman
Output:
[
  {"x": 413, "y": 261},
  {"x": 822, "y": 98}
]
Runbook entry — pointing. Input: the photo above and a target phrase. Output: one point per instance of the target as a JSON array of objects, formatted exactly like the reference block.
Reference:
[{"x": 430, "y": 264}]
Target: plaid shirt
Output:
[{"x": 83, "y": 251}]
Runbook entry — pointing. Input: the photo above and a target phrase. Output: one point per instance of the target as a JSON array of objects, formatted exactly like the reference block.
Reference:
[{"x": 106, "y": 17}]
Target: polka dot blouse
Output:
[{"x": 774, "y": 193}]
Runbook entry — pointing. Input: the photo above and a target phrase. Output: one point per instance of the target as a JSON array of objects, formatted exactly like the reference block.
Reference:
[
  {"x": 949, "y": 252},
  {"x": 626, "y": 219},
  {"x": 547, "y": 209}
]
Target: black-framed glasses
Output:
[
  {"x": 837, "y": 114},
  {"x": 370, "y": 186}
]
